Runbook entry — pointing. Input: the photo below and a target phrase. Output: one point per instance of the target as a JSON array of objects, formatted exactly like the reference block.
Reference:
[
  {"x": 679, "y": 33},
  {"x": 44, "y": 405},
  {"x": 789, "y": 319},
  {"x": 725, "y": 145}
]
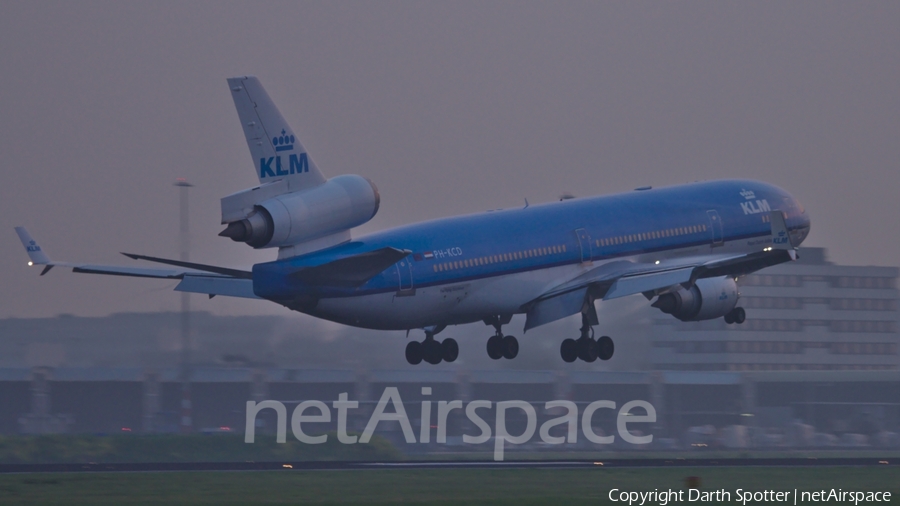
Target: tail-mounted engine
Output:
[
  {"x": 267, "y": 216},
  {"x": 708, "y": 299}
]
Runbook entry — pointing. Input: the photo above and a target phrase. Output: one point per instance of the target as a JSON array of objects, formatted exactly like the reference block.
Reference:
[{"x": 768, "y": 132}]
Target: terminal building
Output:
[{"x": 809, "y": 315}]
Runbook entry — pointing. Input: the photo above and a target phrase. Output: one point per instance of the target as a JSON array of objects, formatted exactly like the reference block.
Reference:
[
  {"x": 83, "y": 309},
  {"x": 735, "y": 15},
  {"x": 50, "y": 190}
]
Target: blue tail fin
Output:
[{"x": 277, "y": 153}]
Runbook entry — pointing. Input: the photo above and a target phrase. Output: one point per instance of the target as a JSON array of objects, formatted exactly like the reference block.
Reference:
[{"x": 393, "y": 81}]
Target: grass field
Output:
[{"x": 421, "y": 486}]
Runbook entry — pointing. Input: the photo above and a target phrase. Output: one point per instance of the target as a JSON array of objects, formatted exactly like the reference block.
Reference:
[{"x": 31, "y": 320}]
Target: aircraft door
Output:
[
  {"x": 584, "y": 244},
  {"x": 404, "y": 276},
  {"x": 715, "y": 225}
]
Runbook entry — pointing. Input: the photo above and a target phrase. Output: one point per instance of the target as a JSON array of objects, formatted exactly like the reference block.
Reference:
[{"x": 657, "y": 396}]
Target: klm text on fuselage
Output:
[
  {"x": 760, "y": 206},
  {"x": 298, "y": 164}
]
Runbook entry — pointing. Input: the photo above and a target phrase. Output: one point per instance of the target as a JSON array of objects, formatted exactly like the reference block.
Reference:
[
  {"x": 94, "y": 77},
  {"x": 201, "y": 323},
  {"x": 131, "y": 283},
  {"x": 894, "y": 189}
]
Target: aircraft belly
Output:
[
  {"x": 390, "y": 311},
  {"x": 448, "y": 304},
  {"x": 472, "y": 300}
]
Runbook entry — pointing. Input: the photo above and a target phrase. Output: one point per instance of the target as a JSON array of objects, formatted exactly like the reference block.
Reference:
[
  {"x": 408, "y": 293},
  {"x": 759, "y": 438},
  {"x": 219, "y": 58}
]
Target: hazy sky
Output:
[{"x": 449, "y": 107}]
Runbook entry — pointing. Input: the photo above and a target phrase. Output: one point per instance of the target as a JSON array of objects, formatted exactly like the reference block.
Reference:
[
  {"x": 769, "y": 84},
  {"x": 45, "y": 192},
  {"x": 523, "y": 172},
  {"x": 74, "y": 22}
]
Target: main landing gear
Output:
[
  {"x": 736, "y": 315},
  {"x": 500, "y": 346},
  {"x": 431, "y": 350},
  {"x": 586, "y": 347}
]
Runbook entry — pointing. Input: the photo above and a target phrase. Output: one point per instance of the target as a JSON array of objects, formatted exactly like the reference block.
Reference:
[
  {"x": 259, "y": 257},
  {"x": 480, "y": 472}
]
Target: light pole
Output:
[{"x": 184, "y": 238}]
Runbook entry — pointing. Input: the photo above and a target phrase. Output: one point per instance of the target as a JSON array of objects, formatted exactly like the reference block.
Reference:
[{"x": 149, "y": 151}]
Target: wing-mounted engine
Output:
[
  {"x": 263, "y": 217},
  {"x": 707, "y": 299}
]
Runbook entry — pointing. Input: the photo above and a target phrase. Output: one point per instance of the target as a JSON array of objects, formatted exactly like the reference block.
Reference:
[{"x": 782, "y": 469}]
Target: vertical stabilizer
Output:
[{"x": 277, "y": 153}]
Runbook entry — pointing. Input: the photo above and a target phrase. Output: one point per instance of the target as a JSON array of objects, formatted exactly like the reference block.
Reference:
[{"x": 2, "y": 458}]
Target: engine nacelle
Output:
[
  {"x": 708, "y": 299},
  {"x": 339, "y": 204}
]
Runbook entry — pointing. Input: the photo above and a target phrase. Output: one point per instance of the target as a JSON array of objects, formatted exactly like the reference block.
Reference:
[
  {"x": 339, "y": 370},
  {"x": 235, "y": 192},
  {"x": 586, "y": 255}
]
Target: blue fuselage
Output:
[{"x": 695, "y": 218}]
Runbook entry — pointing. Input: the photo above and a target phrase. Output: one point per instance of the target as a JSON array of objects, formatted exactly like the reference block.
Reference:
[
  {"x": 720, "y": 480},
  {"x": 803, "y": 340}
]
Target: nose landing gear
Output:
[
  {"x": 586, "y": 347},
  {"x": 431, "y": 350}
]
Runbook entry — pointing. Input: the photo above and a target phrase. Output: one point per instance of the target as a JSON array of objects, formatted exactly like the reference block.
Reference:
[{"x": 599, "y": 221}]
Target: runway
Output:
[{"x": 509, "y": 464}]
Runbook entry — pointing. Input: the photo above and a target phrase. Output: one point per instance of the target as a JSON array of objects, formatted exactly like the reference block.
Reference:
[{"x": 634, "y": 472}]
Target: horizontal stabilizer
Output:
[
  {"x": 233, "y": 273},
  {"x": 351, "y": 271}
]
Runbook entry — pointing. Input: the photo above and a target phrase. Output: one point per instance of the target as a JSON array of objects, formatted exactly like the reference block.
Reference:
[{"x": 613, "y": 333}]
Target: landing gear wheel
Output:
[
  {"x": 587, "y": 349},
  {"x": 449, "y": 349},
  {"x": 414, "y": 352},
  {"x": 568, "y": 350},
  {"x": 729, "y": 317},
  {"x": 605, "y": 348},
  {"x": 495, "y": 347},
  {"x": 510, "y": 347},
  {"x": 431, "y": 351},
  {"x": 739, "y": 315}
]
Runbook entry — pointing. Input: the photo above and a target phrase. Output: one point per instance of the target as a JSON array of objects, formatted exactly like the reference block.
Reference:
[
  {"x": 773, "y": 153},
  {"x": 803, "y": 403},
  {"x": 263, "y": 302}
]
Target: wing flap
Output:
[
  {"x": 114, "y": 270},
  {"x": 224, "y": 271},
  {"x": 640, "y": 283},
  {"x": 216, "y": 285},
  {"x": 555, "y": 308}
]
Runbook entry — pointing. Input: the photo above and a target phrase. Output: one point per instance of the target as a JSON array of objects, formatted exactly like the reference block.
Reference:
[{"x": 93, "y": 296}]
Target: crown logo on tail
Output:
[
  {"x": 748, "y": 194},
  {"x": 283, "y": 142}
]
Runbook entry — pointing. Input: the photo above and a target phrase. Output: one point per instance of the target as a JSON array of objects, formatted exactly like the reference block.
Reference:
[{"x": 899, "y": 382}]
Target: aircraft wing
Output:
[
  {"x": 198, "y": 278},
  {"x": 621, "y": 278}
]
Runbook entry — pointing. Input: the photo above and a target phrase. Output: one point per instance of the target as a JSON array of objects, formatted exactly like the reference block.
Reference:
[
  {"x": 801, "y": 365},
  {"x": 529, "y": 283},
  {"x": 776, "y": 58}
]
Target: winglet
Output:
[
  {"x": 35, "y": 254},
  {"x": 781, "y": 237}
]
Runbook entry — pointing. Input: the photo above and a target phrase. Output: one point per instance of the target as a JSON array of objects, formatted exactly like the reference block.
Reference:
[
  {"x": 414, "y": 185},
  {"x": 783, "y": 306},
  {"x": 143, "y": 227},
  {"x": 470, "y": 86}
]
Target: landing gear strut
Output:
[
  {"x": 500, "y": 346},
  {"x": 586, "y": 347},
  {"x": 431, "y": 350}
]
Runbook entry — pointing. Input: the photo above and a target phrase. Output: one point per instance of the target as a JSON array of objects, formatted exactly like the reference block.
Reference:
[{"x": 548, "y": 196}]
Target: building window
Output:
[
  {"x": 863, "y": 282},
  {"x": 864, "y": 326},
  {"x": 772, "y": 302},
  {"x": 772, "y": 280},
  {"x": 855, "y": 348}
]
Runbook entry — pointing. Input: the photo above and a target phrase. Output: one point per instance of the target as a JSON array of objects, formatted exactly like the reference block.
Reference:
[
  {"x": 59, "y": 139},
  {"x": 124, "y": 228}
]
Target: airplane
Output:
[{"x": 682, "y": 247}]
